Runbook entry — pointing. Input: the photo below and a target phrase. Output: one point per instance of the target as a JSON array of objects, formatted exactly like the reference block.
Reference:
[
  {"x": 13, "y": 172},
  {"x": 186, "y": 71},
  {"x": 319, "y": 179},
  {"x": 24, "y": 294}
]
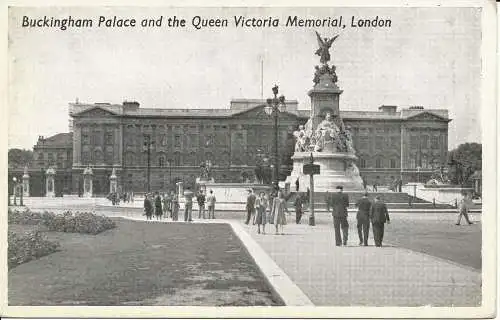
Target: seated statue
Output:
[
  {"x": 327, "y": 133},
  {"x": 348, "y": 140}
]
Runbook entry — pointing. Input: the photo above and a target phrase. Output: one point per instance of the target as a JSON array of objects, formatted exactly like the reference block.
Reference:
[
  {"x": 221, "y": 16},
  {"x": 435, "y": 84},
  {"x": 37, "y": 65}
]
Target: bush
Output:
[
  {"x": 27, "y": 247},
  {"x": 24, "y": 217},
  {"x": 84, "y": 222}
]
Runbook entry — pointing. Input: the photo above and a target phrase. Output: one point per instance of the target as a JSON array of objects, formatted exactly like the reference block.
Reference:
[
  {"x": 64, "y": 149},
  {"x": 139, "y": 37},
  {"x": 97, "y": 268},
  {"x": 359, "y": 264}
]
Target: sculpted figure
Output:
[
  {"x": 324, "y": 48},
  {"x": 330, "y": 128},
  {"x": 348, "y": 140},
  {"x": 301, "y": 139},
  {"x": 352, "y": 170}
]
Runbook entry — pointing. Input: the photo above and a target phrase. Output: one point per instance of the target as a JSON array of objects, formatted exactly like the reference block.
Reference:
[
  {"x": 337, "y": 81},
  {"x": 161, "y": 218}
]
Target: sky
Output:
[{"x": 429, "y": 57}]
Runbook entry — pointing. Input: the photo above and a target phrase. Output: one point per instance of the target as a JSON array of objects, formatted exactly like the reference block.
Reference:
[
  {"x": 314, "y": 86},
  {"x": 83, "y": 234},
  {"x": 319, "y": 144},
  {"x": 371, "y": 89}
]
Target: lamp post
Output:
[
  {"x": 16, "y": 186},
  {"x": 147, "y": 144},
  {"x": 418, "y": 174},
  {"x": 274, "y": 107}
]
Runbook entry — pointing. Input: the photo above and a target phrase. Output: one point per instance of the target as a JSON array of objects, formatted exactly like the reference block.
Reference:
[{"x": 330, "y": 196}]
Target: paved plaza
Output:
[{"x": 426, "y": 259}]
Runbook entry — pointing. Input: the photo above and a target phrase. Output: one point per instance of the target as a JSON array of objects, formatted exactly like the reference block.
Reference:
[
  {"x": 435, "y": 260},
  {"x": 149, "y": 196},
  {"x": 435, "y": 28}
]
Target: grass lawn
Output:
[{"x": 141, "y": 263}]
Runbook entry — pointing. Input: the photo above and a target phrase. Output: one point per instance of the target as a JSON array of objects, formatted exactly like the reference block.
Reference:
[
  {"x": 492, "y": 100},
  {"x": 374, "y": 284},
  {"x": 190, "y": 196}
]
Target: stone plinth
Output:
[
  {"x": 234, "y": 192},
  {"x": 87, "y": 183},
  {"x": 26, "y": 183},
  {"x": 334, "y": 171},
  {"x": 49, "y": 184},
  {"x": 113, "y": 182}
]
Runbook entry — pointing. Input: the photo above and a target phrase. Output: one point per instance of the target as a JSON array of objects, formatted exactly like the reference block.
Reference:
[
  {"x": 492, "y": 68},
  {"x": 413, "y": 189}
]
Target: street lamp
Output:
[
  {"x": 16, "y": 186},
  {"x": 147, "y": 144},
  {"x": 274, "y": 107}
]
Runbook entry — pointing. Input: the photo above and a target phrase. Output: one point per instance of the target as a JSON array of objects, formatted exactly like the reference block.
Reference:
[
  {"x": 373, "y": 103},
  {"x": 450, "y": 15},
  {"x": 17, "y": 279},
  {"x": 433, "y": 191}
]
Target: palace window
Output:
[
  {"x": 378, "y": 163},
  {"x": 363, "y": 143},
  {"x": 177, "y": 141},
  {"x": 98, "y": 156},
  {"x": 86, "y": 157},
  {"x": 177, "y": 159},
  {"x": 108, "y": 138},
  {"x": 379, "y": 142},
  {"x": 435, "y": 142},
  {"x": 50, "y": 156},
  {"x": 97, "y": 138},
  {"x": 85, "y": 139},
  {"x": 393, "y": 163},
  {"x": 362, "y": 163},
  {"x": 425, "y": 140},
  {"x": 164, "y": 140},
  {"x": 161, "y": 161},
  {"x": 130, "y": 159},
  {"x": 395, "y": 141},
  {"x": 413, "y": 161},
  {"x": 414, "y": 142},
  {"x": 109, "y": 156}
]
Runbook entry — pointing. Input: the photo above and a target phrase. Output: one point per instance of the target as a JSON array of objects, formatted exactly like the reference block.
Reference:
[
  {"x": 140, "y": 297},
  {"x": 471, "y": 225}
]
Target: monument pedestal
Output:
[{"x": 334, "y": 171}]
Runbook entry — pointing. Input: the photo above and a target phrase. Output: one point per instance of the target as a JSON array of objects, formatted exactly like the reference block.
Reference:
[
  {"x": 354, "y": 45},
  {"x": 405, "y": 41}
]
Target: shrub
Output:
[
  {"x": 27, "y": 247},
  {"x": 24, "y": 217},
  {"x": 84, "y": 222}
]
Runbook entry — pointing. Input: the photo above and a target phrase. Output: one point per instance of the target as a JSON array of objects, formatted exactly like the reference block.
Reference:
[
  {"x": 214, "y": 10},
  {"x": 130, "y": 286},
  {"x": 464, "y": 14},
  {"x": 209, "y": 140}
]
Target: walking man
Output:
[
  {"x": 379, "y": 216},
  {"x": 339, "y": 203},
  {"x": 188, "y": 209},
  {"x": 211, "y": 205},
  {"x": 298, "y": 207},
  {"x": 200, "y": 198},
  {"x": 250, "y": 206},
  {"x": 463, "y": 209},
  {"x": 363, "y": 218}
]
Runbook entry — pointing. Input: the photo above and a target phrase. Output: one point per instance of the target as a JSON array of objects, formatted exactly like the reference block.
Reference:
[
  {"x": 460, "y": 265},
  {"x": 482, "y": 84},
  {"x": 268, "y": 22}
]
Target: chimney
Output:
[
  {"x": 130, "y": 105},
  {"x": 389, "y": 109}
]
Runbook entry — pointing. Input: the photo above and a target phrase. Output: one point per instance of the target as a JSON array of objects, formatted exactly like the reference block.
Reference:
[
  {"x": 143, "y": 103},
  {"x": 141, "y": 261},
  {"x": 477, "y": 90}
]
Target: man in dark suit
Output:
[
  {"x": 363, "y": 217},
  {"x": 339, "y": 202},
  {"x": 379, "y": 216}
]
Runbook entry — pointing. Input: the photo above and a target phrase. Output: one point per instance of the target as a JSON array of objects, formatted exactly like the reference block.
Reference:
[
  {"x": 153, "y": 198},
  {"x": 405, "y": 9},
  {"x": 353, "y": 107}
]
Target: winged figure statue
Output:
[{"x": 324, "y": 47}]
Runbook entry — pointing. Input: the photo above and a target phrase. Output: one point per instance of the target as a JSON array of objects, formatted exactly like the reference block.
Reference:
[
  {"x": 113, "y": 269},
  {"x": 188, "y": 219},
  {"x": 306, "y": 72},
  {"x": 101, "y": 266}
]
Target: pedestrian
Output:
[
  {"x": 364, "y": 183},
  {"x": 166, "y": 204},
  {"x": 175, "y": 208},
  {"x": 188, "y": 205},
  {"x": 463, "y": 209},
  {"x": 148, "y": 207},
  {"x": 375, "y": 187},
  {"x": 158, "y": 208},
  {"x": 298, "y": 204},
  {"x": 379, "y": 216},
  {"x": 261, "y": 206},
  {"x": 363, "y": 218},
  {"x": 339, "y": 202},
  {"x": 211, "y": 205},
  {"x": 297, "y": 185},
  {"x": 278, "y": 212},
  {"x": 200, "y": 198},
  {"x": 250, "y": 206}
]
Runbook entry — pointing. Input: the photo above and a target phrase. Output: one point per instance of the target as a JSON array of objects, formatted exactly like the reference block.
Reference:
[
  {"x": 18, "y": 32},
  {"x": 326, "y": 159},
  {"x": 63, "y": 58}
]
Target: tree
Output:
[
  {"x": 19, "y": 158},
  {"x": 464, "y": 161}
]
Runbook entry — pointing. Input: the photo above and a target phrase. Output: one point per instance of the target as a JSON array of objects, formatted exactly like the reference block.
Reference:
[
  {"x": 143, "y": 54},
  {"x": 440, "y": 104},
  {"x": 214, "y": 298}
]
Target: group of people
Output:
[
  {"x": 257, "y": 207},
  {"x": 116, "y": 197},
  {"x": 168, "y": 205},
  {"x": 368, "y": 211}
]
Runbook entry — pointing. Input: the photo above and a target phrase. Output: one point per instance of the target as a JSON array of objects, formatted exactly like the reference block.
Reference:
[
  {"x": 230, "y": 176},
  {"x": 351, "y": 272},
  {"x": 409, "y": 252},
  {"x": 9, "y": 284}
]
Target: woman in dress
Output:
[
  {"x": 261, "y": 206},
  {"x": 278, "y": 212}
]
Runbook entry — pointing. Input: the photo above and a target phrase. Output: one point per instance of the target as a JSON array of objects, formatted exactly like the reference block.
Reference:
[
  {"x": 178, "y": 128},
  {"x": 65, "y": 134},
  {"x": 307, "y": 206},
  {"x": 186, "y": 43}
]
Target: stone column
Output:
[
  {"x": 180, "y": 189},
  {"x": 26, "y": 183},
  {"x": 112, "y": 182},
  {"x": 87, "y": 182},
  {"x": 49, "y": 183},
  {"x": 77, "y": 144}
]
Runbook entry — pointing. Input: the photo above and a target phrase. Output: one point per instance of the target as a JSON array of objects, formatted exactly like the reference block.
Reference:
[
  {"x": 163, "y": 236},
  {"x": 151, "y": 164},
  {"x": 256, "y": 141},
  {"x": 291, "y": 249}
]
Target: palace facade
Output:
[{"x": 390, "y": 143}]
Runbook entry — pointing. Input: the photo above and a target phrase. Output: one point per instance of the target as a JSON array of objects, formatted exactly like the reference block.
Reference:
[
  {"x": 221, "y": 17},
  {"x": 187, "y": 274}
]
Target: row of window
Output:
[
  {"x": 424, "y": 142},
  {"x": 97, "y": 138},
  {"x": 379, "y": 163}
]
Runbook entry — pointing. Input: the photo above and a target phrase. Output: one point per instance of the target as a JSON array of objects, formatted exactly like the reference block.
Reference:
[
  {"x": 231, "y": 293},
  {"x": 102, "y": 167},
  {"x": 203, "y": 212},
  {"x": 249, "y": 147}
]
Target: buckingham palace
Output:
[{"x": 391, "y": 143}]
